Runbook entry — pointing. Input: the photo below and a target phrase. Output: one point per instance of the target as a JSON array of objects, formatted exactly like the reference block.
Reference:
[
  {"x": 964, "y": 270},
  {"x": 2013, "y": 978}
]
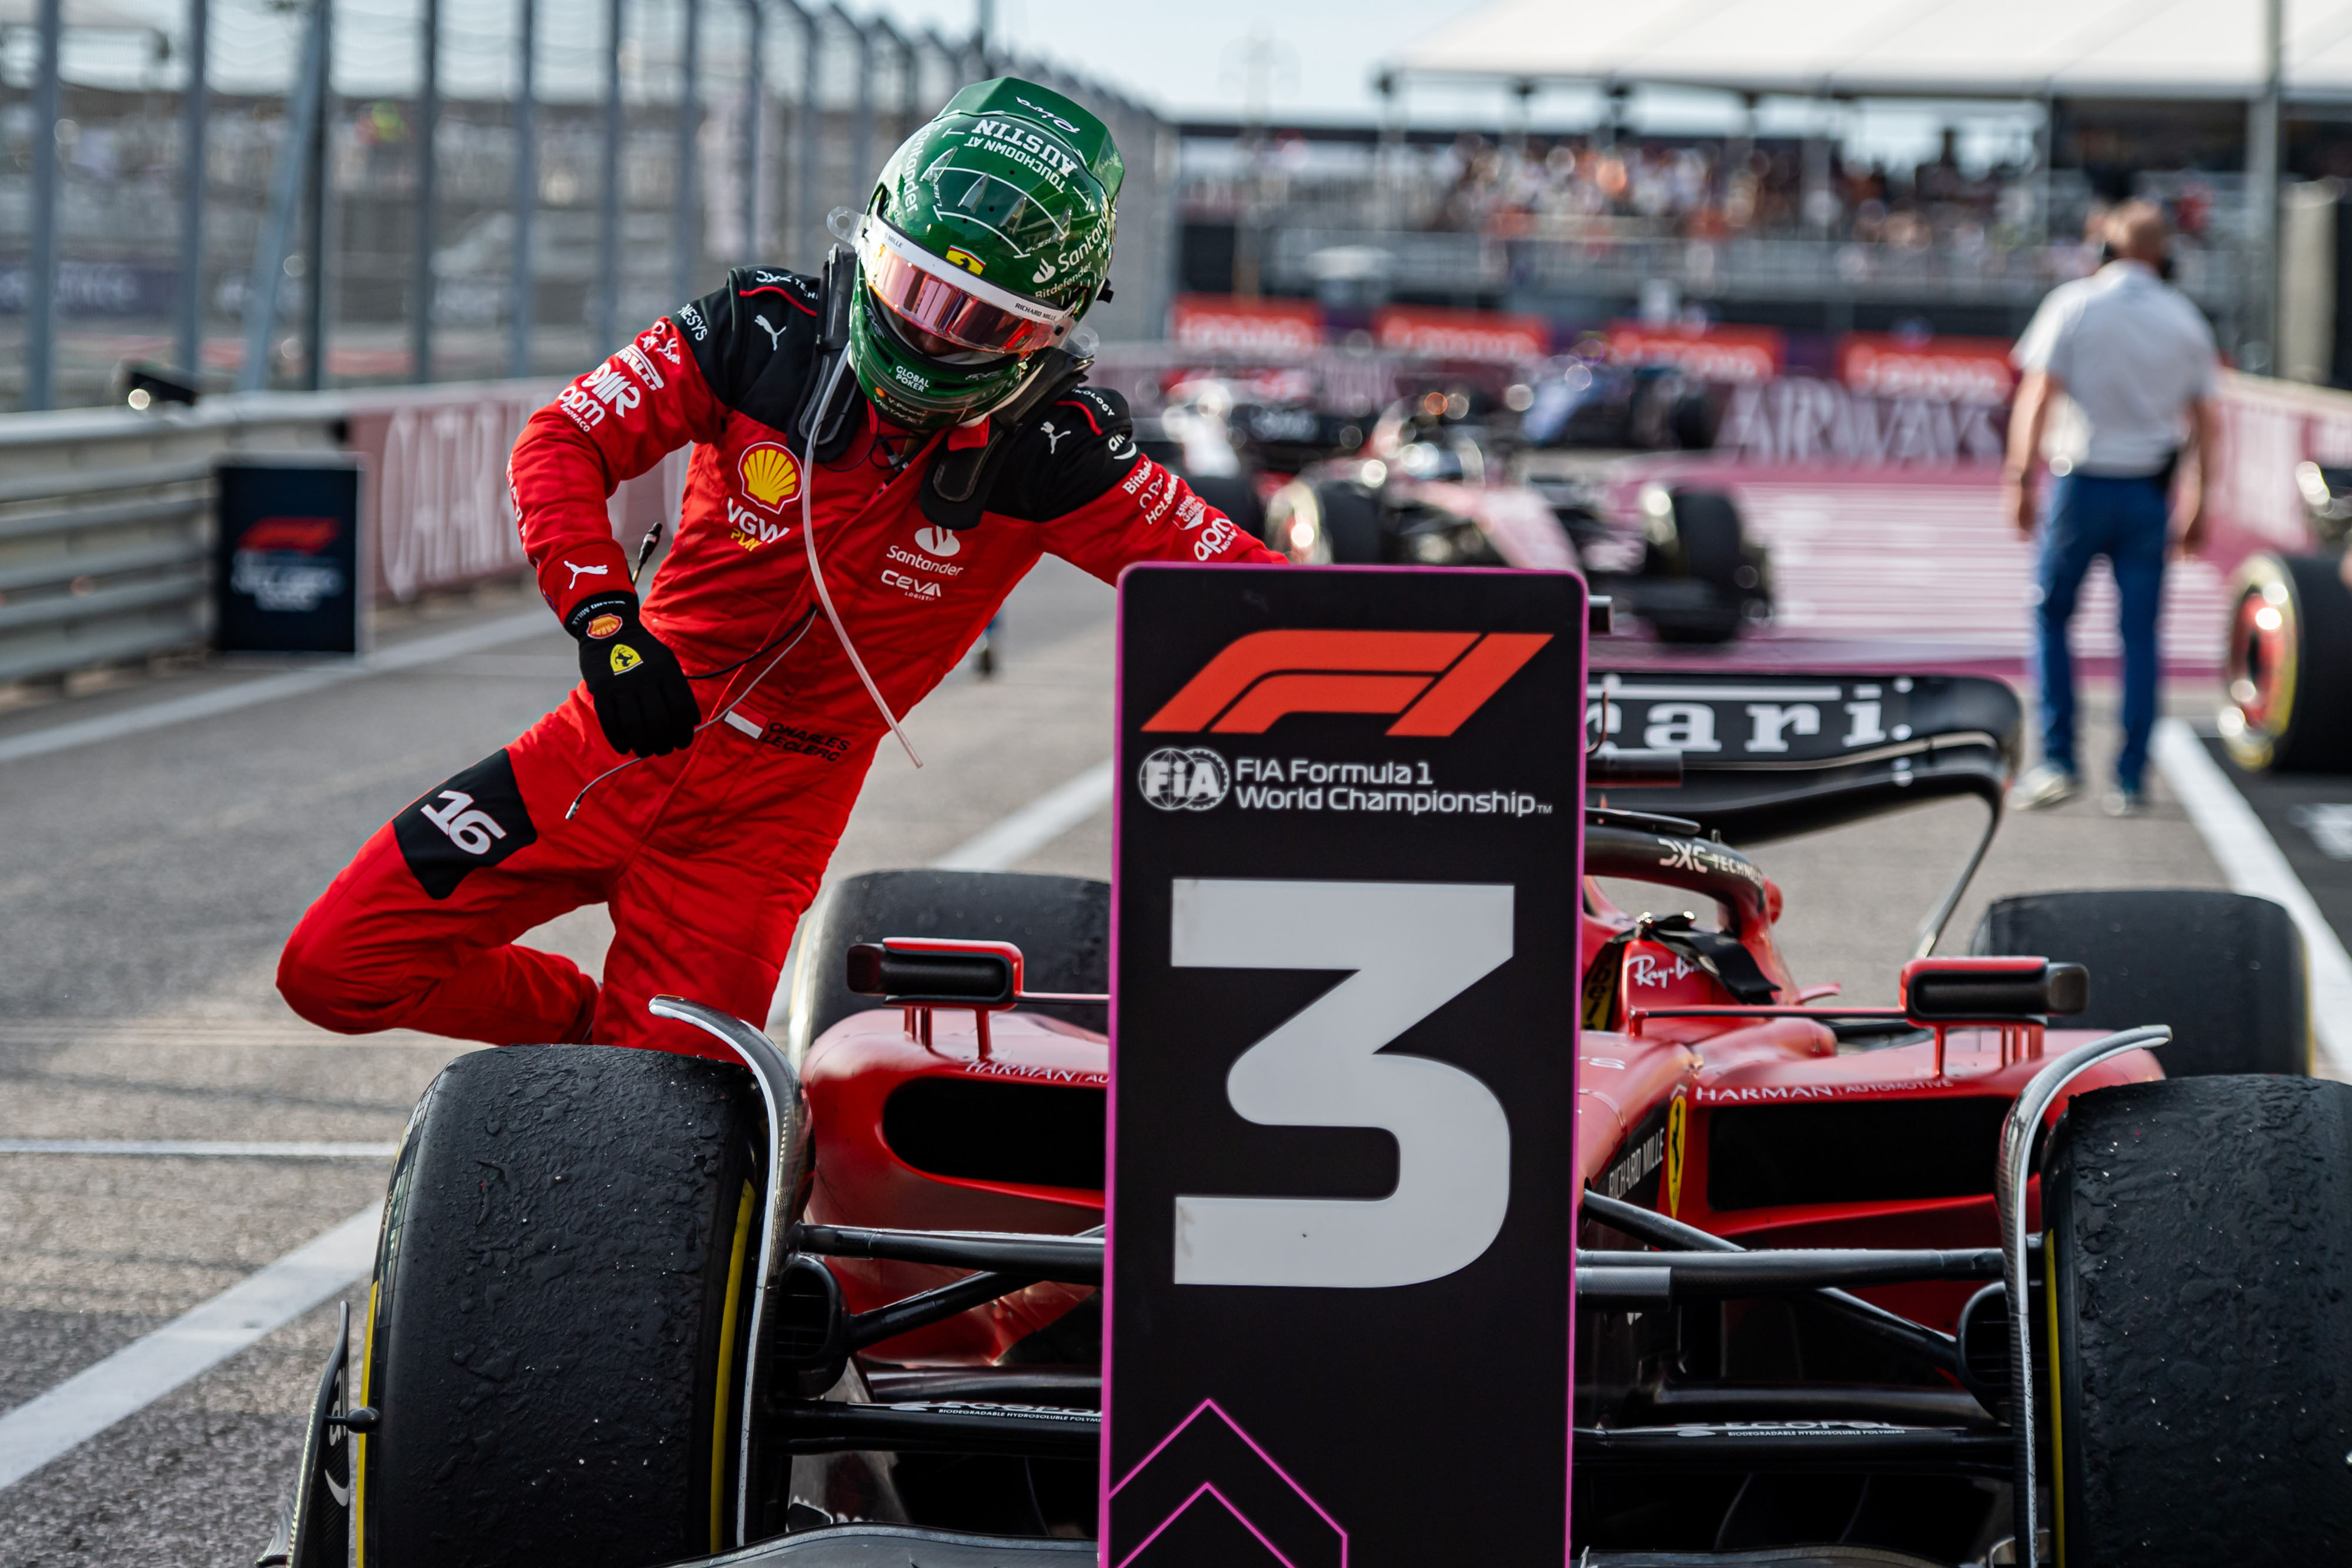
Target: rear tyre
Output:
[
  {"x": 1692, "y": 591},
  {"x": 1061, "y": 924},
  {"x": 1351, "y": 521},
  {"x": 2201, "y": 1245},
  {"x": 556, "y": 1324},
  {"x": 1234, "y": 494},
  {"x": 2225, "y": 970},
  {"x": 2289, "y": 666}
]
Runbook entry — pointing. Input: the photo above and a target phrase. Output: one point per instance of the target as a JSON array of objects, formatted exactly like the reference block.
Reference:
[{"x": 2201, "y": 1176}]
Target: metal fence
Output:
[
  {"x": 106, "y": 526},
  {"x": 591, "y": 166},
  {"x": 107, "y": 517}
]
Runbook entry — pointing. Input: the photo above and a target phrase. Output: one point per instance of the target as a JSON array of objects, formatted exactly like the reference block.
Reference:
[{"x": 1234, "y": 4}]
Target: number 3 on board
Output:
[{"x": 1412, "y": 948}]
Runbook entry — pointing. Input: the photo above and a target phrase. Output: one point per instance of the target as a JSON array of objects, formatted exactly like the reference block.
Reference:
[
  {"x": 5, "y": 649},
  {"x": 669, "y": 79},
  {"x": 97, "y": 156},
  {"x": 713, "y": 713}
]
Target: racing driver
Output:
[{"x": 877, "y": 460}]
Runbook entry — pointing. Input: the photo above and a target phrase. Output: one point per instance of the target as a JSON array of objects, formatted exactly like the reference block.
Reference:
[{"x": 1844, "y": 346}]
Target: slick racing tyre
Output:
[
  {"x": 2289, "y": 666},
  {"x": 555, "y": 1328},
  {"x": 2200, "y": 1244},
  {"x": 2225, "y": 970},
  {"x": 1696, "y": 583},
  {"x": 1061, "y": 924},
  {"x": 1327, "y": 523},
  {"x": 1234, "y": 494}
]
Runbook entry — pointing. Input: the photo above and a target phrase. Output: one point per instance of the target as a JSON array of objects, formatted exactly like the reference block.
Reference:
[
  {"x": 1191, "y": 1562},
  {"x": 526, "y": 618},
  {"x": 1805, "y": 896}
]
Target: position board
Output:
[{"x": 1343, "y": 1067}]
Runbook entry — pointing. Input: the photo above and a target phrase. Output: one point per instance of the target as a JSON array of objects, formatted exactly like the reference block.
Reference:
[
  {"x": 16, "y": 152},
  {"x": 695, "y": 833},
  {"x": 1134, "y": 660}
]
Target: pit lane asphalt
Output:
[{"x": 149, "y": 879}]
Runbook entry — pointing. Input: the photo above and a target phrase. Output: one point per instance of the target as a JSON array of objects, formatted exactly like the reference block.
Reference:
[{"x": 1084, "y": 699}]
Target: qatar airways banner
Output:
[
  {"x": 1738, "y": 355},
  {"x": 1222, "y": 324},
  {"x": 436, "y": 483},
  {"x": 1808, "y": 419},
  {"x": 1440, "y": 334},
  {"x": 1945, "y": 369}
]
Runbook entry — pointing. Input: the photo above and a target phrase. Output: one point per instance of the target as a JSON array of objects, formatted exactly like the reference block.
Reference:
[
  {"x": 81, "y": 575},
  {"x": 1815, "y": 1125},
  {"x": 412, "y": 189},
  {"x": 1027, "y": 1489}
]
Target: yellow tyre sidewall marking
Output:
[
  {"x": 721, "y": 1404},
  {"x": 358, "y": 1439},
  {"x": 2057, "y": 1424}
]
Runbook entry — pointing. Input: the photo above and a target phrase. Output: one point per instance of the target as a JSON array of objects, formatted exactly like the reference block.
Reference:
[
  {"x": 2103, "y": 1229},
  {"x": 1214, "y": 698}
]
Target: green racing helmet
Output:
[{"x": 987, "y": 236}]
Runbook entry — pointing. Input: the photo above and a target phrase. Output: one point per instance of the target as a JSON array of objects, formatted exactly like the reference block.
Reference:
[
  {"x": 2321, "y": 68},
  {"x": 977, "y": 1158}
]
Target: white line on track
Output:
[
  {"x": 198, "y": 1149},
  {"x": 2254, "y": 865},
  {"x": 135, "y": 1376},
  {"x": 1033, "y": 826},
  {"x": 272, "y": 688}
]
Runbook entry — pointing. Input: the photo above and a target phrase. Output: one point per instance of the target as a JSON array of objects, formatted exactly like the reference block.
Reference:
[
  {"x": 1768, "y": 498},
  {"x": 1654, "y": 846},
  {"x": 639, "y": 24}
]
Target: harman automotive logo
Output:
[
  {"x": 1434, "y": 680},
  {"x": 1178, "y": 780}
]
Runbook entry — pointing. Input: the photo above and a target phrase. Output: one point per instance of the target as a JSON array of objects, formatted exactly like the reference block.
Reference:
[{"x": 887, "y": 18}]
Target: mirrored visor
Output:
[{"x": 937, "y": 296}]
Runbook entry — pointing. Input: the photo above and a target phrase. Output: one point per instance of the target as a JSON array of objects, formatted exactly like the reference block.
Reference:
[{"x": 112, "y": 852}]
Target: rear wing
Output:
[{"x": 1765, "y": 756}]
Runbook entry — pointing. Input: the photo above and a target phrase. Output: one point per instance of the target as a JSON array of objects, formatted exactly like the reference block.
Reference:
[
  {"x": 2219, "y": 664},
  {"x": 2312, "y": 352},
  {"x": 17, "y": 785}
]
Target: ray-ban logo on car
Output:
[
  {"x": 1433, "y": 680},
  {"x": 1176, "y": 780}
]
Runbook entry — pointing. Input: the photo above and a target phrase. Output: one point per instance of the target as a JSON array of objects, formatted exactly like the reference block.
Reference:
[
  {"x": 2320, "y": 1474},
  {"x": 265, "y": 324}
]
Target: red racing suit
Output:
[{"x": 709, "y": 856}]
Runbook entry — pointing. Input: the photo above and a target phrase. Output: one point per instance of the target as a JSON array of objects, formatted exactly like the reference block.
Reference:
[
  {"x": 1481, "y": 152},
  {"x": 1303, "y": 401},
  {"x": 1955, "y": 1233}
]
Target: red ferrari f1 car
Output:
[{"x": 1937, "y": 1283}]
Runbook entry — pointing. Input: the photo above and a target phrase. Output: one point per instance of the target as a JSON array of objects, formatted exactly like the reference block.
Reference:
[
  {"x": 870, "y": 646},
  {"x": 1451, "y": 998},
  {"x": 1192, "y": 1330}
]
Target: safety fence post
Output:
[{"x": 188, "y": 339}]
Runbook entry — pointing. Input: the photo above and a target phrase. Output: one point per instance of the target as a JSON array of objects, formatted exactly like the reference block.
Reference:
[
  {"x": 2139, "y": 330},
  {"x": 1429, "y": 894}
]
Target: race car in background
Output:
[
  {"x": 1236, "y": 441},
  {"x": 1444, "y": 480},
  {"x": 2288, "y": 663},
  {"x": 1911, "y": 1286}
]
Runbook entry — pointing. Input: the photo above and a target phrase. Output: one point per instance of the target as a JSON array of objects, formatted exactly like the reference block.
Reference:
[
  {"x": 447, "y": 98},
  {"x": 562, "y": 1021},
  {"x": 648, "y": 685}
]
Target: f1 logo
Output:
[{"x": 1434, "y": 680}]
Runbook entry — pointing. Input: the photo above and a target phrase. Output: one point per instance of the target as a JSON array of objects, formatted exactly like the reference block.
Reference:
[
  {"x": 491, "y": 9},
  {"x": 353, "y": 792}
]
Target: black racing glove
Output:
[{"x": 644, "y": 701}]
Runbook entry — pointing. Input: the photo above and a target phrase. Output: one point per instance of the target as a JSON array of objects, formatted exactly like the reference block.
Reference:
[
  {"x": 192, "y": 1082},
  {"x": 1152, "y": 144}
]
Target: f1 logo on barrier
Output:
[
  {"x": 1343, "y": 1090},
  {"x": 1434, "y": 679}
]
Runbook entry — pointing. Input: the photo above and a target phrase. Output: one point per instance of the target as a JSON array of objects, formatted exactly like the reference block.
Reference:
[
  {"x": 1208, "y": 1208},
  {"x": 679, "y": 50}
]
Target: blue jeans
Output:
[{"x": 2127, "y": 521}]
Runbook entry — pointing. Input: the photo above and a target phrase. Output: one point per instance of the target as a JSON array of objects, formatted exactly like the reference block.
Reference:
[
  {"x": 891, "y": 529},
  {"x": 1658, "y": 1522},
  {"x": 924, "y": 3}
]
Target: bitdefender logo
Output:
[{"x": 1433, "y": 680}]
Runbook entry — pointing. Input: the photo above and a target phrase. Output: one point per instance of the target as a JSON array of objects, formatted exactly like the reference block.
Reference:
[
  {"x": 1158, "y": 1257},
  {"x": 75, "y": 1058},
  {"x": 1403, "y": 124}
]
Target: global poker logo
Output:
[{"x": 1179, "y": 779}]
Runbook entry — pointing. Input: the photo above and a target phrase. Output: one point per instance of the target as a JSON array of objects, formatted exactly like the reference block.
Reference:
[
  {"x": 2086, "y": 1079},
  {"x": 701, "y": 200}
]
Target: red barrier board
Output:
[
  {"x": 1220, "y": 323},
  {"x": 1951, "y": 370},
  {"x": 1461, "y": 334},
  {"x": 1713, "y": 353}
]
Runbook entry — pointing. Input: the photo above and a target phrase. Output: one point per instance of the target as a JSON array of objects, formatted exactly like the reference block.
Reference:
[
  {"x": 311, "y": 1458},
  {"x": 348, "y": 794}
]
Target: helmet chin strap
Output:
[{"x": 809, "y": 471}]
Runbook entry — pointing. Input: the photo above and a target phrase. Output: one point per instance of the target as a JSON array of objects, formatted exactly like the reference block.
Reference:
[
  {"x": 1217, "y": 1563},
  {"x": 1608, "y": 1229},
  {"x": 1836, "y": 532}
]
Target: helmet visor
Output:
[{"x": 938, "y": 297}]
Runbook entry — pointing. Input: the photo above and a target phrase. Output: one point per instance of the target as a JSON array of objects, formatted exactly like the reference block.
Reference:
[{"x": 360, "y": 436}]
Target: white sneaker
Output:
[{"x": 2042, "y": 786}]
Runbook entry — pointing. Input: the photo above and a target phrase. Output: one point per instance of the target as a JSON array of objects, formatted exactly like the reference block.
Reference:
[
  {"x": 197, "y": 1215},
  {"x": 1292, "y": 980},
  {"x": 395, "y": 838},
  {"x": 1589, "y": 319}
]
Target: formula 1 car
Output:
[
  {"x": 1943, "y": 1283},
  {"x": 2288, "y": 663},
  {"x": 1435, "y": 485}
]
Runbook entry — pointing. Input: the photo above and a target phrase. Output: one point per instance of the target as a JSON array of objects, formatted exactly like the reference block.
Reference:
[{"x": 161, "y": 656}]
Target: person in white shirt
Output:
[{"x": 2118, "y": 373}]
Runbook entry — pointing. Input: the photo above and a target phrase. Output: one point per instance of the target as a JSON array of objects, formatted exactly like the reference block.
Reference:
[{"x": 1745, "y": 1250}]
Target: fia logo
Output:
[
  {"x": 1184, "y": 780},
  {"x": 937, "y": 541},
  {"x": 470, "y": 830}
]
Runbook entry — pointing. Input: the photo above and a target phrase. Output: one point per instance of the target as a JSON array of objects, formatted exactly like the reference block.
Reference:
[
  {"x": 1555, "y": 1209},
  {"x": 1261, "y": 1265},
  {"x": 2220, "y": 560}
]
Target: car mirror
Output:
[
  {"x": 909, "y": 971},
  {"x": 1993, "y": 990}
]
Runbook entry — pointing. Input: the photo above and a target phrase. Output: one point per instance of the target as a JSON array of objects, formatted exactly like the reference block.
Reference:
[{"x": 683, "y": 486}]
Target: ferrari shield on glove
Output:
[
  {"x": 987, "y": 236},
  {"x": 643, "y": 702}
]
